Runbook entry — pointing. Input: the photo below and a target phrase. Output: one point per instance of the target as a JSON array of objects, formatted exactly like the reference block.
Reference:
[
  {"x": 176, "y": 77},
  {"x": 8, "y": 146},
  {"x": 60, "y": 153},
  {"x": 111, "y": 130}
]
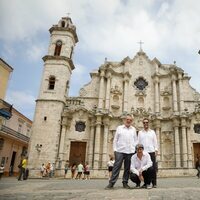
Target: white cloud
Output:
[
  {"x": 23, "y": 101},
  {"x": 35, "y": 52},
  {"x": 169, "y": 29},
  {"x": 79, "y": 77}
]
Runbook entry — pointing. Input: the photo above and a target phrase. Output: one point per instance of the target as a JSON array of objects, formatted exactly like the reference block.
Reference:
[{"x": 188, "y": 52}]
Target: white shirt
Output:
[
  {"x": 148, "y": 139},
  {"x": 140, "y": 165},
  {"x": 125, "y": 139}
]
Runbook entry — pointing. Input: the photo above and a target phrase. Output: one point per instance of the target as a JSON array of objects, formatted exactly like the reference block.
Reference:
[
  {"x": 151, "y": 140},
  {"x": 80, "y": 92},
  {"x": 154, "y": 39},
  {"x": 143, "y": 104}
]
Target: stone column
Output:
[
  {"x": 175, "y": 106},
  {"x": 126, "y": 81},
  {"x": 91, "y": 144},
  {"x": 62, "y": 141},
  {"x": 105, "y": 142},
  {"x": 101, "y": 90},
  {"x": 157, "y": 125},
  {"x": 190, "y": 163},
  {"x": 177, "y": 143},
  {"x": 97, "y": 143},
  {"x": 157, "y": 102},
  {"x": 108, "y": 91},
  {"x": 181, "y": 92},
  {"x": 62, "y": 154},
  {"x": 184, "y": 142}
]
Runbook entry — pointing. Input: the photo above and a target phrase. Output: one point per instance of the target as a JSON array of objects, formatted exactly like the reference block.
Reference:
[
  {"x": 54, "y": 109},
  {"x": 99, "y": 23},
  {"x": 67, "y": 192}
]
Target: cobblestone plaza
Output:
[{"x": 183, "y": 188}]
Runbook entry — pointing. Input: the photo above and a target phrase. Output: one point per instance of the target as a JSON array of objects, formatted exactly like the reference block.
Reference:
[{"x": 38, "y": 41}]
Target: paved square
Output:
[{"x": 184, "y": 188}]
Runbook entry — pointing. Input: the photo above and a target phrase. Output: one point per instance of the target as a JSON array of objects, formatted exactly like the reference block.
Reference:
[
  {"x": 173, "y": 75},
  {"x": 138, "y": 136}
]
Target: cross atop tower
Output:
[{"x": 140, "y": 42}]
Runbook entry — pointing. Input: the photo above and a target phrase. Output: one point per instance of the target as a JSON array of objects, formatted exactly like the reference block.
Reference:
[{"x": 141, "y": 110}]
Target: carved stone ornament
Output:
[
  {"x": 140, "y": 83},
  {"x": 80, "y": 126},
  {"x": 116, "y": 90},
  {"x": 197, "y": 128},
  {"x": 82, "y": 92}
]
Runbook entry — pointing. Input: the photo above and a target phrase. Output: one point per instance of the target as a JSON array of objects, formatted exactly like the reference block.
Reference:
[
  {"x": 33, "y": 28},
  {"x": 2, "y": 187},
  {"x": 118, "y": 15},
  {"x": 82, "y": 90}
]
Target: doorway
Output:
[
  {"x": 12, "y": 163},
  {"x": 77, "y": 152},
  {"x": 196, "y": 147}
]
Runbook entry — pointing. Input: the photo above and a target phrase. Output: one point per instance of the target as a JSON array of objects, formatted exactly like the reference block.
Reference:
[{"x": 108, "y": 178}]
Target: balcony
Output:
[{"x": 12, "y": 133}]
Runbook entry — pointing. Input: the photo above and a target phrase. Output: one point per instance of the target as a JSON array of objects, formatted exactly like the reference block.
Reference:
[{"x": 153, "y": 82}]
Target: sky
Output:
[{"x": 108, "y": 29}]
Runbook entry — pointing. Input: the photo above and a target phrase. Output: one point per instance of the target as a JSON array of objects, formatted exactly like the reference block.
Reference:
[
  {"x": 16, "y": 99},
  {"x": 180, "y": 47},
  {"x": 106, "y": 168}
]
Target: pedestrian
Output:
[
  {"x": 73, "y": 171},
  {"x": 198, "y": 167},
  {"x": 22, "y": 167},
  {"x": 87, "y": 171},
  {"x": 51, "y": 173},
  {"x": 80, "y": 170},
  {"x": 42, "y": 170},
  {"x": 48, "y": 168},
  {"x": 141, "y": 167},
  {"x": 110, "y": 165},
  {"x": 1, "y": 170},
  {"x": 66, "y": 168},
  {"x": 124, "y": 143},
  {"x": 148, "y": 138}
]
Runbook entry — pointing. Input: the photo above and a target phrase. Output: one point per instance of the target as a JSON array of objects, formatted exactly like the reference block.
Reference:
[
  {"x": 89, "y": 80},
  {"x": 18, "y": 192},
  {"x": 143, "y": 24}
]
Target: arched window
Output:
[
  {"x": 58, "y": 48},
  {"x": 63, "y": 24},
  {"x": 52, "y": 81}
]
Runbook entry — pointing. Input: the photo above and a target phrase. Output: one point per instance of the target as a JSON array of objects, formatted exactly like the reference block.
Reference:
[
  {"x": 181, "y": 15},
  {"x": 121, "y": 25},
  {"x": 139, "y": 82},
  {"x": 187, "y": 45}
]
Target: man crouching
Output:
[{"x": 141, "y": 167}]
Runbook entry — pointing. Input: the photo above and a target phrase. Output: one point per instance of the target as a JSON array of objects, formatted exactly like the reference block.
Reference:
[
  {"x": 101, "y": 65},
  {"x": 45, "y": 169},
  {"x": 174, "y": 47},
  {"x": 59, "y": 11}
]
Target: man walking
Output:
[
  {"x": 148, "y": 138},
  {"x": 124, "y": 143},
  {"x": 23, "y": 169}
]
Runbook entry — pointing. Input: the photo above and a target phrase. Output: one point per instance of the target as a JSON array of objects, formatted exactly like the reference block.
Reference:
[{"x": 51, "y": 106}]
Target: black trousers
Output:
[
  {"x": 147, "y": 175},
  {"x": 154, "y": 173},
  {"x": 22, "y": 172},
  {"x": 119, "y": 158}
]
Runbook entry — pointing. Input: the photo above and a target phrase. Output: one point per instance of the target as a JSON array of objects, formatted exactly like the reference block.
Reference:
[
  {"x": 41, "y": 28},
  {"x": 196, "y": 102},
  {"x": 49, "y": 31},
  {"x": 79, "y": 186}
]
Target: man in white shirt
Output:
[
  {"x": 148, "y": 138},
  {"x": 141, "y": 167},
  {"x": 124, "y": 143}
]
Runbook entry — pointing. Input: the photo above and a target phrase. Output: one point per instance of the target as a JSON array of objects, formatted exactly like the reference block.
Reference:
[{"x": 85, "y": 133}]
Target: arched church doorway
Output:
[{"x": 77, "y": 152}]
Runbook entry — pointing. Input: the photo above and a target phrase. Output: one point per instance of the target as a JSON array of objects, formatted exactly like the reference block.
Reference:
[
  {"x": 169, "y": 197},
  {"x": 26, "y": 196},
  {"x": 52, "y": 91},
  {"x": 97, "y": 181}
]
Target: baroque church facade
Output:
[{"x": 82, "y": 128}]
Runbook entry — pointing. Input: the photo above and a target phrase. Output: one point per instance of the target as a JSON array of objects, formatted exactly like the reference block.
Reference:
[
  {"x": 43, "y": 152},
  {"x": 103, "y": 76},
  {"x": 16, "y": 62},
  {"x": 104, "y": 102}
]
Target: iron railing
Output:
[{"x": 11, "y": 132}]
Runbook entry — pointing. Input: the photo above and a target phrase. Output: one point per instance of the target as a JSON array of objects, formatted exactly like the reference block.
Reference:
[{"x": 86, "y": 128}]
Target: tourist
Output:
[
  {"x": 110, "y": 165},
  {"x": 148, "y": 138},
  {"x": 141, "y": 167},
  {"x": 124, "y": 143}
]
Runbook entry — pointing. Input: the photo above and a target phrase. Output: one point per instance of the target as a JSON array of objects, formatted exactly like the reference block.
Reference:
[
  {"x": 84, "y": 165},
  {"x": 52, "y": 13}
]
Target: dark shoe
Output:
[
  {"x": 126, "y": 186},
  {"x": 109, "y": 186},
  {"x": 144, "y": 186},
  {"x": 137, "y": 186}
]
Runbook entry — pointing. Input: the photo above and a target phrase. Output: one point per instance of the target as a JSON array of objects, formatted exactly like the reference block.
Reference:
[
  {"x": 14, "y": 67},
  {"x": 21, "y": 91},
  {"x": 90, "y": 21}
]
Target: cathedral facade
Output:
[{"x": 82, "y": 128}]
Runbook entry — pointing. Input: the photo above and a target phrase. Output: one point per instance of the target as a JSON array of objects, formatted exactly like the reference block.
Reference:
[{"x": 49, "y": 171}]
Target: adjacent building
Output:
[{"x": 15, "y": 128}]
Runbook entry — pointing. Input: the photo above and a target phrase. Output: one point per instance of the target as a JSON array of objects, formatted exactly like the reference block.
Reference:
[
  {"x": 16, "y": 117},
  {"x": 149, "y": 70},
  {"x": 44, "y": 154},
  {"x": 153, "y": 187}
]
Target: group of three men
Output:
[{"x": 138, "y": 153}]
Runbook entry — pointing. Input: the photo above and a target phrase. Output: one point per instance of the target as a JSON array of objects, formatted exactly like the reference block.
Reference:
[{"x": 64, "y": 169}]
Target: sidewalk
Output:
[{"x": 183, "y": 188}]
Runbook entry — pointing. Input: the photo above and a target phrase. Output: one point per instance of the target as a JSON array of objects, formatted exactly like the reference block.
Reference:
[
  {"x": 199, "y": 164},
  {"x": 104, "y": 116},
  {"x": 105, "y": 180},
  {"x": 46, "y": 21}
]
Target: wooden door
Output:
[
  {"x": 77, "y": 152},
  {"x": 196, "y": 147}
]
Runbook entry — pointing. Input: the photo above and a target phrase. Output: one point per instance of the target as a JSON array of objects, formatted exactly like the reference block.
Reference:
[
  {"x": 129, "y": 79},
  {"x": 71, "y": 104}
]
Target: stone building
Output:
[
  {"x": 15, "y": 128},
  {"x": 82, "y": 128}
]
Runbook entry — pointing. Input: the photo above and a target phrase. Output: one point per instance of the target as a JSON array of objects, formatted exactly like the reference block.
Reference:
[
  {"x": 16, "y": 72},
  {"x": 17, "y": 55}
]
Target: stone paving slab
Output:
[{"x": 184, "y": 188}]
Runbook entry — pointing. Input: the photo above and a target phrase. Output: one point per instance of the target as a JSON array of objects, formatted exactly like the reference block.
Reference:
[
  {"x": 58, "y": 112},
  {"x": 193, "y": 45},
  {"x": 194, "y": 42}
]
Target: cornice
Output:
[
  {"x": 48, "y": 57},
  {"x": 69, "y": 29}
]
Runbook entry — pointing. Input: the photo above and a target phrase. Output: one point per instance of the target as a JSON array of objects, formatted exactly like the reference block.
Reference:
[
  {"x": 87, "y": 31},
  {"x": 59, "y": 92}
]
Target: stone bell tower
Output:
[{"x": 58, "y": 65}]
